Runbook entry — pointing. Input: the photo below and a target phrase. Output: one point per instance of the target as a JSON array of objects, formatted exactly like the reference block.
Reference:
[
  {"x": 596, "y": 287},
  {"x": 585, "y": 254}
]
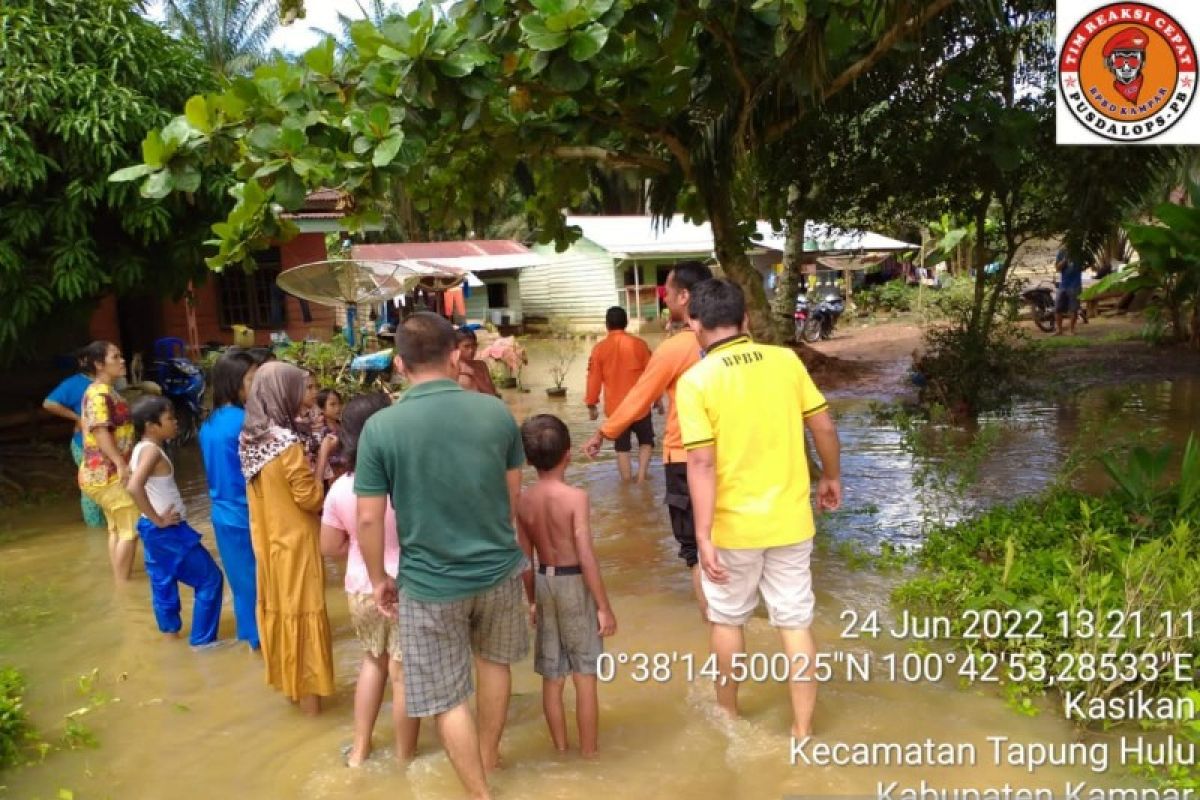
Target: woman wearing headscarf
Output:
[{"x": 284, "y": 498}]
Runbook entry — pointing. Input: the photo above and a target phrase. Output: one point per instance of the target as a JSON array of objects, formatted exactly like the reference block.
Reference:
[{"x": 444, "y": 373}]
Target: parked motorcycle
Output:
[
  {"x": 813, "y": 323},
  {"x": 182, "y": 383},
  {"x": 1041, "y": 301}
]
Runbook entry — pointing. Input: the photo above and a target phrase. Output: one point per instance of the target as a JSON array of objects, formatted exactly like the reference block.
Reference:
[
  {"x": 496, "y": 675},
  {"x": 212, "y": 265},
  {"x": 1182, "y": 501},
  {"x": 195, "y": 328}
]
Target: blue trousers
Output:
[
  {"x": 237, "y": 557},
  {"x": 174, "y": 555}
]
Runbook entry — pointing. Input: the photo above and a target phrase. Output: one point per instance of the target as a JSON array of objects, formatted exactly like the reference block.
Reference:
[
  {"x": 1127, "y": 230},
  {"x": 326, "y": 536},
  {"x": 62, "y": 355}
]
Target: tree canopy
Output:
[
  {"x": 81, "y": 81},
  {"x": 459, "y": 103}
]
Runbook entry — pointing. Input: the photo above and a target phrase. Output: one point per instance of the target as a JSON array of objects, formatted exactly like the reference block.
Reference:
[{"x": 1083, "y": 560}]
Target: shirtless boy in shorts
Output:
[{"x": 572, "y": 610}]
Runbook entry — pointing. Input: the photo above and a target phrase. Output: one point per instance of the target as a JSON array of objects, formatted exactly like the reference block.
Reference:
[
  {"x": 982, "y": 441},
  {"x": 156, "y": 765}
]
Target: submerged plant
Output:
[
  {"x": 1139, "y": 478},
  {"x": 17, "y": 735}
]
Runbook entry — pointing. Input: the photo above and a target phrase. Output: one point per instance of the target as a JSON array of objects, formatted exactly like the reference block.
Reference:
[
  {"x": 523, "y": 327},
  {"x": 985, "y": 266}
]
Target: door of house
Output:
[{"x": 140, "y": 320}]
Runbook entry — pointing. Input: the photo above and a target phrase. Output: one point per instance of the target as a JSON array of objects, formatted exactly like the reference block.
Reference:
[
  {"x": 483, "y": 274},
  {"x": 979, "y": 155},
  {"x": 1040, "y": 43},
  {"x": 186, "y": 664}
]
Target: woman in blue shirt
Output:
[
  {"x": 231, "y": 379},
  {"x": 65, "y": 401}
]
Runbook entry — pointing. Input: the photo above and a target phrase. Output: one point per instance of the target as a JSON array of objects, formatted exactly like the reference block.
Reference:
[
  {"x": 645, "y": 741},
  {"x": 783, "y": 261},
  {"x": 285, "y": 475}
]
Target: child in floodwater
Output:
[
  {"x": 173, "y": 551},
  {"x": 572, "y": 611},
  {"x": 378, "y": 634}
]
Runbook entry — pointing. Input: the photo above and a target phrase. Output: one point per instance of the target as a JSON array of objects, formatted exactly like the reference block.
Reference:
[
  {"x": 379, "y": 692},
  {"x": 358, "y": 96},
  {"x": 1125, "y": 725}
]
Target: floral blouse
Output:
[{"x": 102, "y": 407}]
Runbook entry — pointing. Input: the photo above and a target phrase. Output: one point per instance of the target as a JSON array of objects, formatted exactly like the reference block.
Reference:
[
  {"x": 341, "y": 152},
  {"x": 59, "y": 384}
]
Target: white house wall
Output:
[
  {"x": 477, "y": 303},
  {"x": 578, "y": 286}
]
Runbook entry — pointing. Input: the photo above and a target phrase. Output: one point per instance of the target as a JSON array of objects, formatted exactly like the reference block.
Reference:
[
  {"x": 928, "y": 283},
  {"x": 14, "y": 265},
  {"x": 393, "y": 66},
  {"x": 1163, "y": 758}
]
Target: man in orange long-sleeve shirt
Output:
[
  {"x": 614, "y": 366},
  {"x": 673, "y": 357}
]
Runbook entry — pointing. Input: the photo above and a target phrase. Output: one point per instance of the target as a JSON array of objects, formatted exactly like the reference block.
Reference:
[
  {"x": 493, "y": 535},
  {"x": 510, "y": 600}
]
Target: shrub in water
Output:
[{"x": 15, "y": 731}]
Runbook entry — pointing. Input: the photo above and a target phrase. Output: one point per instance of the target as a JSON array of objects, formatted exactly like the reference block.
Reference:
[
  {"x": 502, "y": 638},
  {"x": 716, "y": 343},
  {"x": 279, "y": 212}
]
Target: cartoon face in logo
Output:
[
  {"x": 1125, "y": 55},
  {"x": 1126, "y": 73}
]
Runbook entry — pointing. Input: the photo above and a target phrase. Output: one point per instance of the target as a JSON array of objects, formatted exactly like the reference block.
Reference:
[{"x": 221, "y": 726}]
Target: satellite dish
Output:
[{"x": 348, "y": 282}]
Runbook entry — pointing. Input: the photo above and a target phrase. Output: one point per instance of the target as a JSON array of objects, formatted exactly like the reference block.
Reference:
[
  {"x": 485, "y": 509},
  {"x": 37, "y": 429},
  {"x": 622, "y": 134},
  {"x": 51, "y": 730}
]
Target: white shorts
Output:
[{"x": 783, "y": 576}]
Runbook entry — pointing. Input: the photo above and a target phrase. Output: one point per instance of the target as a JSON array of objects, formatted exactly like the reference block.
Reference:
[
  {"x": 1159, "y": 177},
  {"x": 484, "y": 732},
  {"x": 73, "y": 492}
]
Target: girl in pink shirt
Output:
[{"x": 379, "y": 635}]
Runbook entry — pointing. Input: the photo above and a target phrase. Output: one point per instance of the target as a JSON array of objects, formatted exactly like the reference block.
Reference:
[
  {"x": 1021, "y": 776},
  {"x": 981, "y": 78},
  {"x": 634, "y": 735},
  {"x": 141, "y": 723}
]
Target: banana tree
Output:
[{"x": 1168, "y": 263}]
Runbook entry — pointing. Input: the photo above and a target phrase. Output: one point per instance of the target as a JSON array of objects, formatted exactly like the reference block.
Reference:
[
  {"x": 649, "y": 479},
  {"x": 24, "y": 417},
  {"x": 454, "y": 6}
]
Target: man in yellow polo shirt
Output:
[{"x": 742, "y": 413}]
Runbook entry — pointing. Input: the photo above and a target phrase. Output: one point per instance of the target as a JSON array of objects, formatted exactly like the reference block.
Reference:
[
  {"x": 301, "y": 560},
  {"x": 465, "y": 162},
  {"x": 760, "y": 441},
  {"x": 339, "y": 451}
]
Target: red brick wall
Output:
[
  {"x": 303, "y": 249},
  {"x": 103, "y": 324}
]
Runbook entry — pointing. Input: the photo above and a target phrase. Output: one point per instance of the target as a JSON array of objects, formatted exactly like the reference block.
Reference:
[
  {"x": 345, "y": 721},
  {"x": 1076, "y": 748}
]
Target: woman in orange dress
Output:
[{"x": 284, "y": 499}]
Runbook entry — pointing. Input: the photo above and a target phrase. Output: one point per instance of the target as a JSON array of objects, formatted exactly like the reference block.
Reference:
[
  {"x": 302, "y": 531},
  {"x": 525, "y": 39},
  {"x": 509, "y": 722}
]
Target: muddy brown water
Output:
[{"x": 173, "y": 723}]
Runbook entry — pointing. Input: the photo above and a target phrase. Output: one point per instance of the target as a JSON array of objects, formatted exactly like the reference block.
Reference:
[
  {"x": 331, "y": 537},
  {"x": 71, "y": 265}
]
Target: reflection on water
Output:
[
  {"x": 1028, "y": 449},
  {"x": 198, "y": 725}
]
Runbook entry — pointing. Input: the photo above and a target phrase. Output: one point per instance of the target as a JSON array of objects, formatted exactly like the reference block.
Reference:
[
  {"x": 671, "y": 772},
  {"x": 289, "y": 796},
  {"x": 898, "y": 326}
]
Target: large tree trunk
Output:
[
  {"x": 784, "y": 303},
  {"x": 1195, "y": 340},
  {"x": 731, "y": 254}
]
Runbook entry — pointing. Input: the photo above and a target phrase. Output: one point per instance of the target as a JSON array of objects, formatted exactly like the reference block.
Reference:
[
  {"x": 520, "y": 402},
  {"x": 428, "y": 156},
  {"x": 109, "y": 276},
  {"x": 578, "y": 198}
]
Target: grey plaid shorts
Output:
[
  {"x": 438, "y": 639},
  {"x": 568, "y": 633}
]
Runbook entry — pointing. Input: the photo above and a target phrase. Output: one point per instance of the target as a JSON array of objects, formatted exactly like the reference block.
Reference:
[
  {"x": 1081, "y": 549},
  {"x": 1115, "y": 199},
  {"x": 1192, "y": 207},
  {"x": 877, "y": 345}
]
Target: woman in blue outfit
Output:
[
  {"x": 231, "y": 379},
  {"x": 65, "y": 402}
]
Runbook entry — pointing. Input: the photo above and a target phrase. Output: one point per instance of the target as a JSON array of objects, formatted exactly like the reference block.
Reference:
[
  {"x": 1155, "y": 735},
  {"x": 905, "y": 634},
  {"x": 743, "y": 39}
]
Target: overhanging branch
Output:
[
  {"x": 886, "y": 43},
  {"x": 860, "y": 67},
  {"x": 613, "y": 158}
]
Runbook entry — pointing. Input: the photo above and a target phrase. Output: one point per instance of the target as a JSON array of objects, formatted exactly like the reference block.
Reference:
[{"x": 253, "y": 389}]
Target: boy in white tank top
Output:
[{"x": 173, "y": 551}]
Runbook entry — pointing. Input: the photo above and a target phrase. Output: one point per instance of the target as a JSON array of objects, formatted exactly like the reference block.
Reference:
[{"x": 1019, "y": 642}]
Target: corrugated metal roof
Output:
[
  {"x": 394, "y": 251},
  {"x": 638, "y": 236},
  {"x": 822, "y": 238}
]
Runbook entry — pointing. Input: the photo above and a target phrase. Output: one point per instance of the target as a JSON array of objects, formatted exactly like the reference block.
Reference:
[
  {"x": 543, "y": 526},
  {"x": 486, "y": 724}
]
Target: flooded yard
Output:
[{"x": 169, "y": 722}]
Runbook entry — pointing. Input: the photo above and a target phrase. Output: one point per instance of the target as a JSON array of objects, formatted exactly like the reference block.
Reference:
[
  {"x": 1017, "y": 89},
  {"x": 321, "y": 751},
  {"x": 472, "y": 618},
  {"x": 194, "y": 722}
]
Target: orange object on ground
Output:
[
  {"x": 616, "y": 363},
  {"x": 673, "y": 357}
]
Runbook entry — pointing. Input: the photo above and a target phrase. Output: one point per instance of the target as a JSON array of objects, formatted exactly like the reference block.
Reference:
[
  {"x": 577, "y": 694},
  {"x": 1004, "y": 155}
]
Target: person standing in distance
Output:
[
  {"x": 673, "y": 357},
  {"x": 614, "y": 366}
]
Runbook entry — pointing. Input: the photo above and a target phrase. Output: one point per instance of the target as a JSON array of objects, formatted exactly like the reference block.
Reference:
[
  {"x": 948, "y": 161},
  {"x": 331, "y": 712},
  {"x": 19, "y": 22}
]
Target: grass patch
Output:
[
  {"x": 1106, "y": 580},
  {"x": 1051, "y": 342}
]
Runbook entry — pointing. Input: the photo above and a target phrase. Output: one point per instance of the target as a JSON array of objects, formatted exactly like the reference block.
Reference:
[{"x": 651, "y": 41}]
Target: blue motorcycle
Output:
[{"x": 182, "y": 383}]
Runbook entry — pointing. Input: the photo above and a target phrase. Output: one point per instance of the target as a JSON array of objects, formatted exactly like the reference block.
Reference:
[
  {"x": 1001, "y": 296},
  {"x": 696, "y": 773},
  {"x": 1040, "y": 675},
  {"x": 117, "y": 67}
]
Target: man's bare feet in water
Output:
[{"x": 356, "y": 757}]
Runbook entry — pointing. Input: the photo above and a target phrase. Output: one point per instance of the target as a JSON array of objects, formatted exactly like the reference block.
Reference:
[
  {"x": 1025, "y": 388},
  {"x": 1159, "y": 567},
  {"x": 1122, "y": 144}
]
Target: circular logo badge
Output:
[{"x": 1127, "y": 72}]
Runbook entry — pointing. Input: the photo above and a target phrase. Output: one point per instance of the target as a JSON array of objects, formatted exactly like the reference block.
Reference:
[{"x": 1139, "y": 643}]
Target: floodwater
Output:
[{"x": 169, "y": 722}]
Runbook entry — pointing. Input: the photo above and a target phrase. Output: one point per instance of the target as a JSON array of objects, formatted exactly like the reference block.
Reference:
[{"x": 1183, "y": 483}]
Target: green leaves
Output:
[
  {"x": 567, "y": 23},
  {"x": 288, "y": 189},
  {"x": 538, "y": 36},
  {"x": 196, "y": 113},
  {"x": 463, "y": 61},
  {"x": 157, "y": 186},
  {"x": 152, "y": 149},
  {"x": 379, "y": 119},
  {"x": 321, "y": 58},
  {"x": 587, "y": 42},
  {"x": 386, "y": 151},
  {"x": 132, "y": 173},
  {"x": 567, "y": 74},
  {"x": 88, "y": 85},
  {"x": 264, "y": 136}
]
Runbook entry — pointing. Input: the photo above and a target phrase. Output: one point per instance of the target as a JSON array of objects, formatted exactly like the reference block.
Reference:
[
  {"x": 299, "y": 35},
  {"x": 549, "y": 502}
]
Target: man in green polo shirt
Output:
[{"x": 450, "y": 460}]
